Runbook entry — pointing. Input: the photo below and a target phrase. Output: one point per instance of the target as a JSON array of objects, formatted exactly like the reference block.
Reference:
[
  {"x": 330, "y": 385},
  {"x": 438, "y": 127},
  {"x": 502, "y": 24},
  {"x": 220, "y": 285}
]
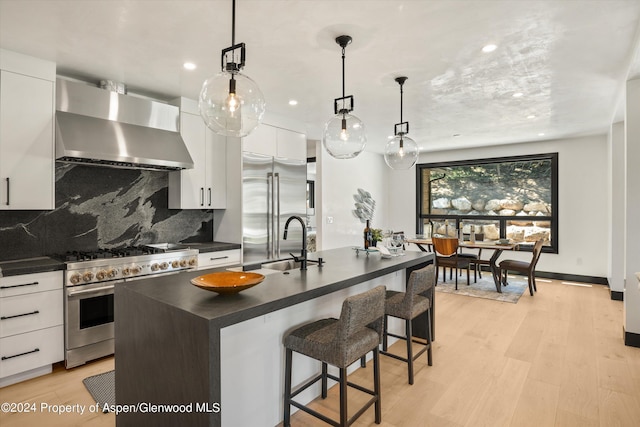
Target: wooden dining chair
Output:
[
  {"x": 447, "y": 255},
  {"x": 528, "y": 268}
]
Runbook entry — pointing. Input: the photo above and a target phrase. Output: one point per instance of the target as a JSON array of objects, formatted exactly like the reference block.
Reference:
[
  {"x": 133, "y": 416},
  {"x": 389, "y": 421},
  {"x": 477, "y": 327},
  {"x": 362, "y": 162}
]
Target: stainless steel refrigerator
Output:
[{"x": 273, "y": 189}]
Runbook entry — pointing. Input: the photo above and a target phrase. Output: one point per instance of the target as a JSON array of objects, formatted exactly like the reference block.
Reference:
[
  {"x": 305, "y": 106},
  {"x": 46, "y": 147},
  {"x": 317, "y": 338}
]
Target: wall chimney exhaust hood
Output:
[{"x": 100, "y": 127}]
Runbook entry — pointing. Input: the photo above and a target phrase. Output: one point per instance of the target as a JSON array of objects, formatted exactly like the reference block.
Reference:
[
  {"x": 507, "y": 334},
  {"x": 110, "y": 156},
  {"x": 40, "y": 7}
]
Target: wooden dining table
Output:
[{"x": 426, "y": 245}]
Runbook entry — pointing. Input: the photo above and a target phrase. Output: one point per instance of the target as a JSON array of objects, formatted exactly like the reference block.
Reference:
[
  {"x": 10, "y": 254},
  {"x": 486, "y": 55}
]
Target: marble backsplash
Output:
[{"x": 100, "y": 207}]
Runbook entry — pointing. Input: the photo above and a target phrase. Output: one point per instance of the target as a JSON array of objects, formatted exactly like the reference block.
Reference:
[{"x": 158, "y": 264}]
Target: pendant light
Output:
[
  {"x": 230, "y": 103},
  {"x": 343, "y": 135},
  {"x": 401, "y": 152}
]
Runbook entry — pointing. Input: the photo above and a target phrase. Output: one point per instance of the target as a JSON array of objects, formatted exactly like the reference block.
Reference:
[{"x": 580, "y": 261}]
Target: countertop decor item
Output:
[
  {"x": 344, "y": 136},
  {"x": 230, "y": 103},
  {"x": 401, "y": 152},
  {"x": 227, "y": 282}
]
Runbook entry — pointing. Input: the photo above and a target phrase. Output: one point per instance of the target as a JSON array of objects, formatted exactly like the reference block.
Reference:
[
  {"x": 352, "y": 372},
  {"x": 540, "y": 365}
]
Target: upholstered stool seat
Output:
[
  {"x": 408, "y": 305},
  {"x": 339, "y": 342}
]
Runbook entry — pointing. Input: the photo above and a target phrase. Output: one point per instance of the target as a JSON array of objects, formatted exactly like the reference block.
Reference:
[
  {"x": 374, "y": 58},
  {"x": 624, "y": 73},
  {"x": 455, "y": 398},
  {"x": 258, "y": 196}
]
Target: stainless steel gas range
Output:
[{"x": 90, "y": 279}]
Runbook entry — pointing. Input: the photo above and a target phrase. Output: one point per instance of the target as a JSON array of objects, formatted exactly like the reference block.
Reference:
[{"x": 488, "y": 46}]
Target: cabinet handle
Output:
[
  {"x": 8, "y": 188},
  {"x": 220, "y": 257},
  {"x": 19, "y": 315},
  {"x": 209, "y": 196},
  {"x": 22, "y": 284},
  {"x": 35, "y": 350},
  {"x": 201, "y": 196}
]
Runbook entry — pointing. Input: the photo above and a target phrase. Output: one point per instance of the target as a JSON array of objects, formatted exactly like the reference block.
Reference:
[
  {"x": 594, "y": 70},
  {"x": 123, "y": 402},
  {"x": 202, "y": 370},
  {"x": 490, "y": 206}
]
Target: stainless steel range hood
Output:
[{"x": 101, "y": 127}]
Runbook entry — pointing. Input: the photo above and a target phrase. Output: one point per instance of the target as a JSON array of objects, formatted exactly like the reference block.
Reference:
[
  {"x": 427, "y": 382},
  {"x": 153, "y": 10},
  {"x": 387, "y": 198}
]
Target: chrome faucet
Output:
[{"x": 303, "y": 254}]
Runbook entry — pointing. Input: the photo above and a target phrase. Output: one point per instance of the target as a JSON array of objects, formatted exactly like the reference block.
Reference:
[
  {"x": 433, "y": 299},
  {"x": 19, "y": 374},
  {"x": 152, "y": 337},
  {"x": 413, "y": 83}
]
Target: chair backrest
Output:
[
  {"x": 537, "y": 250},
  {"x": 445, "y": 245},
  {"x": 421, "y": 282},
  {"x": 361, "y": 311}
]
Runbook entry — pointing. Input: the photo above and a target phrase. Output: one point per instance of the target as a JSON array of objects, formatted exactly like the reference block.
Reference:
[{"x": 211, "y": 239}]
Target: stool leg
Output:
[
  {"x": 363, "y": 362},
  {"x": 409, "y": 349},
  {"x": 344, "y": 419},
  {"x": 287, "y": 388},
  {"x": 324, "y": 380},
  {"x": 429, "y": 338},
  {"x": 376, "y": 384},
  {"x": 384, "y": 333}
]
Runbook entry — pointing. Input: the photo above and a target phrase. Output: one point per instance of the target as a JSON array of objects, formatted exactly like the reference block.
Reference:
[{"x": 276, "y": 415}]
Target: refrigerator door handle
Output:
[
  {"x": 277, "y": 216},
  {"x": 270, "y": 253}
]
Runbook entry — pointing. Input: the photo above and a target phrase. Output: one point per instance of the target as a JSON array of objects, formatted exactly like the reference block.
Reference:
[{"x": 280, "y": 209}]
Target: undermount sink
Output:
[{"x": 285, "y": 265}]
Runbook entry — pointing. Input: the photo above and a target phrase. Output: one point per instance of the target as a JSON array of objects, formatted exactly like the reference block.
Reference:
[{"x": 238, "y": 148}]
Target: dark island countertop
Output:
[
  {"x": 342, "y": 268},
  {"x": 30, "y": 266}
]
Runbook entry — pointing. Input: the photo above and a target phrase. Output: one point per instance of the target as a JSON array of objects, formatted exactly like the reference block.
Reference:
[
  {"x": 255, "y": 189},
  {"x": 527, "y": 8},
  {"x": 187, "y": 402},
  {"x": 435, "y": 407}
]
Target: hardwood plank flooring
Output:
[{"x": 555, "y": 359}]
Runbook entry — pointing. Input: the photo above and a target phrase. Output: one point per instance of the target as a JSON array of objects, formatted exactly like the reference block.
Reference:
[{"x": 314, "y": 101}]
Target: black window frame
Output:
[{"x": 503, "y": 220}]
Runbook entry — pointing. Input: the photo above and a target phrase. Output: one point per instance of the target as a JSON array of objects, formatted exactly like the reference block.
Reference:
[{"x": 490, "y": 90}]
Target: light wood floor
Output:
[{"x": 555, "y": 359}]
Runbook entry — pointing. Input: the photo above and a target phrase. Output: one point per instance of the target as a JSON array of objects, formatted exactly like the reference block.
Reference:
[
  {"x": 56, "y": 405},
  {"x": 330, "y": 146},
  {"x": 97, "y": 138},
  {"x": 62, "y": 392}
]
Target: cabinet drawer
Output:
[
  {"x": 218, "y": 259},
  {"x": 30, "y": 283},
  {"x": 30, "y": 312},
  {"x": 32, "y": 350}
]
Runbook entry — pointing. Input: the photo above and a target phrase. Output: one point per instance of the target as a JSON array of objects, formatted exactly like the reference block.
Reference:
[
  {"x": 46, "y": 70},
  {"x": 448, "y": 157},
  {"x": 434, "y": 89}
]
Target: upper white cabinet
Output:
[
  {"x": 277, "y": 142},
  {"x": 27, "y": 117},
  {"x": 204, "y": 186}
]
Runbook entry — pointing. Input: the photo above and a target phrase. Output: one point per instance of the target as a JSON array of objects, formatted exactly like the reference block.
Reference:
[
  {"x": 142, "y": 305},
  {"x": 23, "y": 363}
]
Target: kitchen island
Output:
[{"x": 219, "y": 359}]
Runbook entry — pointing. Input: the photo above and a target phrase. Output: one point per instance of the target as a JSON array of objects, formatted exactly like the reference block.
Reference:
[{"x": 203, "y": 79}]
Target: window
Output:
[{"x": 507, "y": 197}]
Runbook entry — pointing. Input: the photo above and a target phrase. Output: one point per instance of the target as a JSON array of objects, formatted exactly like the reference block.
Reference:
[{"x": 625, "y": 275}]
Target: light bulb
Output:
[
  {"x": 344, "y": 135},
  {"x": 401, "y": 149},
  {"x": 233, "y": 102}
]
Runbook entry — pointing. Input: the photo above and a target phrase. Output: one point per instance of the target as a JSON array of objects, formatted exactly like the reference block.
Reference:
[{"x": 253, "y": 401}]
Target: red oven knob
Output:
[
  {"x": 135, "y": 269},
  {"x": 154, "y": 267},
  {"x": 87, "y": 276},
  {"x": 75, "y": 278},
  {"x": 126, "y": 271},
  {"x": 175, "y": 264},
  {"x": 183, "y": 263},
  {"x": 101, "y": 275},
  {"x": 164, "y": 265}
]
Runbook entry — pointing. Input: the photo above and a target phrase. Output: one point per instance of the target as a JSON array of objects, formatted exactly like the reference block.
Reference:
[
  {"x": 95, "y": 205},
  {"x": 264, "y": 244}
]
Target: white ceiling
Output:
[{"x": 569, "y": 58}]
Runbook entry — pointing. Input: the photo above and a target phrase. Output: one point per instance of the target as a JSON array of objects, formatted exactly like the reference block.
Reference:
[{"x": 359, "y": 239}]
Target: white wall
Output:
[
  {"x": 583, "y": 194},
  {"x": 632, "y": 229},
  {"x": 340, "y": 180},
  {"x": 617, "y": 207}
]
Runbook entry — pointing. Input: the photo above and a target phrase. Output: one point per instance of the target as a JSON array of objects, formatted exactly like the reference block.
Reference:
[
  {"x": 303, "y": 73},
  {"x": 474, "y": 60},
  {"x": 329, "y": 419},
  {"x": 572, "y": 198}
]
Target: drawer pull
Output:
[
  {"x": 19, "y": 315},
  {"x": 220, "y": 257},
  {"x": 35, "y": 350},
  {"x": 17, "y": 286}
]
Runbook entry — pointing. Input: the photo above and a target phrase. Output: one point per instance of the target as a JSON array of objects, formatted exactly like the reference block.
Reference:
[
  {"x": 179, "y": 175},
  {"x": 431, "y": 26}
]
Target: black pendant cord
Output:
[
  {"x": 343, "y": 74},
  {"x": 401, "y": 91},
  {"x": 233, "y": 22}
]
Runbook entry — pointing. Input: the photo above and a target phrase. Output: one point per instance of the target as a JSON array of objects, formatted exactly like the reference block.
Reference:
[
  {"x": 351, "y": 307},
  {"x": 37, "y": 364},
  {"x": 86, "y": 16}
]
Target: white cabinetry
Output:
[
  {"x": 218, "y": 258},
  {"x": 27, "y": 114},
  {"x": 204, "y": 186},
  {"x": 31, "y": 325},
  {"x": 277, "y": 142}
]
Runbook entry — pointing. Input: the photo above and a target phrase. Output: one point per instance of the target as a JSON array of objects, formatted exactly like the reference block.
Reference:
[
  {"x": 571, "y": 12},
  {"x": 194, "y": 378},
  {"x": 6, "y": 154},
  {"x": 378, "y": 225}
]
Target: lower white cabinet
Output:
[
  {"x": 31, "y": 325},
  {"x": 218, "y": 259}
]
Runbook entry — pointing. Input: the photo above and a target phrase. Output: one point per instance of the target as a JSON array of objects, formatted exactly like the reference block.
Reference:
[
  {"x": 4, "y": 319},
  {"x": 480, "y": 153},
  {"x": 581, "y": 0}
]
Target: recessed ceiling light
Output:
[
  {"x": 531, "y": 116},
  {"x": 489, "y": 48},
  {"x": 517, "y": 94},
  {"x": 293, "y": 102},
  {"x": 541, "y": 134},
  {"x": 189, "y": 66}
]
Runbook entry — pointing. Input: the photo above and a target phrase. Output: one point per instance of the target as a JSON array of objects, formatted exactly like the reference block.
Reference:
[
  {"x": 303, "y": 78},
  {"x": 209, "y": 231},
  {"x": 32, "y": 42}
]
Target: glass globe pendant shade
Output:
[
  {"x": 344, "y": 136},
  {"x": 401, "y": 153},
  {"x": 231, "y": 104}
]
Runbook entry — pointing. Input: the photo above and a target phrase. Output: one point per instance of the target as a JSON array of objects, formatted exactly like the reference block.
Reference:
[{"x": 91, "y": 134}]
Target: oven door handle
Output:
[{"x": 89, "y": 291}]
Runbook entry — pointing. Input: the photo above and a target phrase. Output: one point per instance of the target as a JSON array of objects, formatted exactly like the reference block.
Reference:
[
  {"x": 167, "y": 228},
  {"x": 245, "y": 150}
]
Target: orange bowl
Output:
[{"x": 227, "y": 282}]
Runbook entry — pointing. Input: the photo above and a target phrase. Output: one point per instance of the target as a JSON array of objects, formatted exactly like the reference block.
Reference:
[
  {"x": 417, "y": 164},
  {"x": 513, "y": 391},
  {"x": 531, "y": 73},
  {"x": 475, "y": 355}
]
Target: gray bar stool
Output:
[
  {"x": 408, "y": 305},
  {"x": 339, "y": 342}
]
